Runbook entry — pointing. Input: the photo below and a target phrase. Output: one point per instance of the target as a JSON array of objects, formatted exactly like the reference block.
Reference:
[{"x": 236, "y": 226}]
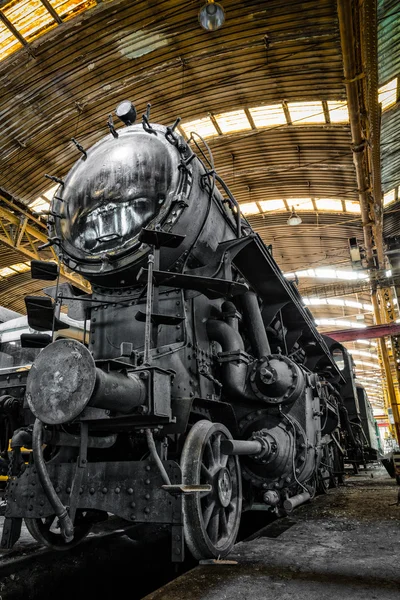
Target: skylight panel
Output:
[
  {"x": 353, "y": 304},
  {"x": 387, "y": 94},
  {"x": 50, "y": 193},
  {"x": 69, "y": 8},
  {"x": 329, "y": 273},
  {"x": 29, "y": 17},
  {"x": 8, "y": 43},
  {"x": 335, "y": 302},
  {"x": 300, "y": 203},
  {"x": 332, "y": 204},
  {"x": 268, "y": 116},
  {"x": 302, "y": 113},
  {"x": 364, "y": 353},
  {"x": 389, "y": 197},
  {"x": 352, "y": 207},
  {"x": 21, "y": 267},
  {"x": 326, "y": 273},
  {"x": 230, "y": 122},
  {"x": 249, "y": 208},
  {"x": 306, "y": 273},
  {"x": 39, "y": 205},
  {"x": 14, "y": 269},
  {"x": 338, "y": 111},
  {"x": 269, "y": 205},
  {"x": 341, "y": 323},
  {"x": 6, "y": 272},
  {"x": 203, "y": 127}
]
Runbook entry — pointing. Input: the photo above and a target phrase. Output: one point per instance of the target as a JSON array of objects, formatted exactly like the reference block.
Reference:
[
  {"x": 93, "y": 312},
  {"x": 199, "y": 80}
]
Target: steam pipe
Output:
[
  {"x": 258, "y": 336},
  {"x": 241, "y": 447},
  {"x": 66, "y": 525},
  {"x": 154, "y": 454},
  {"x": 117, "y": 391},
  {"x": 233, "y": 370}
]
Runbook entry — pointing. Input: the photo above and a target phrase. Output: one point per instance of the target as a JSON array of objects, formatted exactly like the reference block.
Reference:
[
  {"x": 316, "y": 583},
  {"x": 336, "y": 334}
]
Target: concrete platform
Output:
[{"x": 345, "y": 545}]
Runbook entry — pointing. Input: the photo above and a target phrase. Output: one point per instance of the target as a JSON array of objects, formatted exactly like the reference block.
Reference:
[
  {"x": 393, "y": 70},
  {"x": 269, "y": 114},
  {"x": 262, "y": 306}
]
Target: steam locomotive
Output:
[{"x": 201, "y": 388}]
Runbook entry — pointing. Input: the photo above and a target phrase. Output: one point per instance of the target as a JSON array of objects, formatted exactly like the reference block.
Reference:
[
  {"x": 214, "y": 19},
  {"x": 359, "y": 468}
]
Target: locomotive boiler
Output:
[{"x": 202, "y": 388}]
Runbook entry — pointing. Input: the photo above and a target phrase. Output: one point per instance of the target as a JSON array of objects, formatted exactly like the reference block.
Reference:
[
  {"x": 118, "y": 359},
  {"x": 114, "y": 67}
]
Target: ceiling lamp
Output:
[
  {"x": 211, "y": 16},
  {"x": 294, "y": 218}
]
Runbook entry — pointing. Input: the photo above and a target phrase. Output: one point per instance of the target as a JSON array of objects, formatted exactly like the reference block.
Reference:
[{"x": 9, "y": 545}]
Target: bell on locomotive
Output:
[{"x": 201, "y": 387}]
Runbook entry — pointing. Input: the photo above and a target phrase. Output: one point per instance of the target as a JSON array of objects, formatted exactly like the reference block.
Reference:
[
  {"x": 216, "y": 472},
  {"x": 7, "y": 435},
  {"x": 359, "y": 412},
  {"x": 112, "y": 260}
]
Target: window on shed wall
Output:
[{"x": 389, "y": 197}]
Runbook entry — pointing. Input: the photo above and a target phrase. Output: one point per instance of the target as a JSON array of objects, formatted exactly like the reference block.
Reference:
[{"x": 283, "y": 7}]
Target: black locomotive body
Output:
[{"x": 203, "y": 389}]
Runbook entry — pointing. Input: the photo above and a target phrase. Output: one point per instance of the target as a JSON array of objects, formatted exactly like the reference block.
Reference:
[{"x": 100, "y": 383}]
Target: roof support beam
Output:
[
  {"x": 51, "y": 10},
  {"x": 352, "y": 77},
  {"x": 18, "y": 234},
  {"x": 361, "y": 83}
]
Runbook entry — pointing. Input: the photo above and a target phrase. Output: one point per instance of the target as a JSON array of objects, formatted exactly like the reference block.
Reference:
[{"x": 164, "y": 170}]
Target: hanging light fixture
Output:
[
  {"x": 294, "y": 218},
  {"x": 211, "y": 16}
]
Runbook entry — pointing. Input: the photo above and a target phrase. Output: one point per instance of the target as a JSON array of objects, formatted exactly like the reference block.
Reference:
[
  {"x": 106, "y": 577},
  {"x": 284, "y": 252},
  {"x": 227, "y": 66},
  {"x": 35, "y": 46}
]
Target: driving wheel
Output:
[{"x": 211, "y": 519}]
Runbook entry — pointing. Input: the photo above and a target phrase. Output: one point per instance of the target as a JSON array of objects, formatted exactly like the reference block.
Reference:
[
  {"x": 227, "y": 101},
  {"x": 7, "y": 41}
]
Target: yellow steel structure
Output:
[{"x": 24, "y": 232}]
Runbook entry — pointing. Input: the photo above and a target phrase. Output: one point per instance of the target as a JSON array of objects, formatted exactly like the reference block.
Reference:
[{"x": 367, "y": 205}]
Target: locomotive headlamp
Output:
[
  {"x": 126, "y": 112},
  {"x": 211, "y": 16}
]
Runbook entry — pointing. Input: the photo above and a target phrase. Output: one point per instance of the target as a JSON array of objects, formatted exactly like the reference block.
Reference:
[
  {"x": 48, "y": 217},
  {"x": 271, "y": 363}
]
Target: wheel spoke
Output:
[
  {"x": 206, "y": 474},
  {"x": 213, "y": 527},
  {"x": 207, "y": 514},
  {"x": 216, "y": 446},
  {"x": 224, "y": 522},
  {"x": 224, "y": 460},
  {"x": 210, "y": 454}
]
